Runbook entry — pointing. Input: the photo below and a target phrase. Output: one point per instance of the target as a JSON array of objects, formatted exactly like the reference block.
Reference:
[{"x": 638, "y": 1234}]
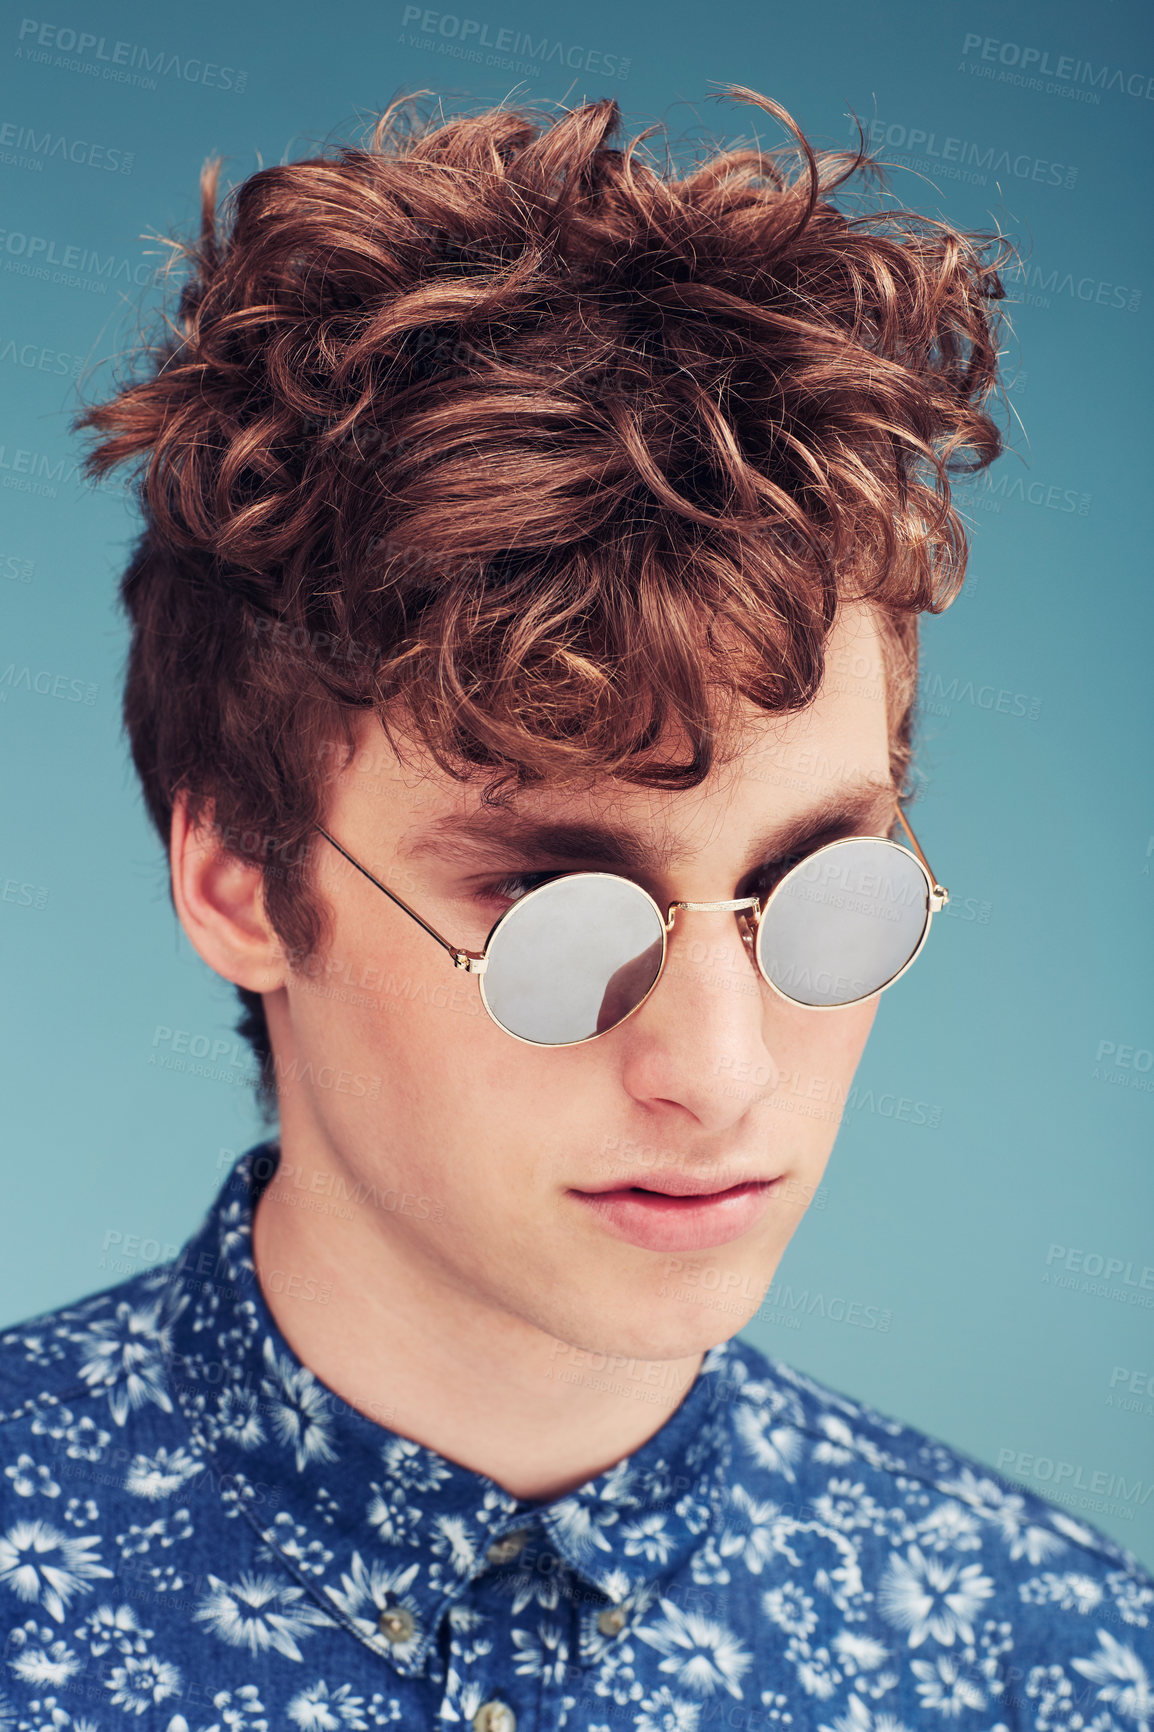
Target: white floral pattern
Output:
[{"x": 196, "y": 1535}]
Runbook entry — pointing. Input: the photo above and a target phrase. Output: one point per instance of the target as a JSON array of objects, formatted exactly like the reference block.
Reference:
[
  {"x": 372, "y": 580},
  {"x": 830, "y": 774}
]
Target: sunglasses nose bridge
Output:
[
  {"x": 746, "y": 908},
  {"x": 748, "y": 904}
]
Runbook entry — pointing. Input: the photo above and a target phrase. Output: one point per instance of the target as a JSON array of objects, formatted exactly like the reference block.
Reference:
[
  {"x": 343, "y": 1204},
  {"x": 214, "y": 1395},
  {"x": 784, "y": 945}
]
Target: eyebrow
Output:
[{"x": 503, "y": 835}]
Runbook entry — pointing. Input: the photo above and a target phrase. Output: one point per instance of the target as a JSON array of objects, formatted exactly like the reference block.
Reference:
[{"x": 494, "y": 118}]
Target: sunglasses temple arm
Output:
[
  {"x": 453, "y": 950},
  {"x": 939, "y": 889}
]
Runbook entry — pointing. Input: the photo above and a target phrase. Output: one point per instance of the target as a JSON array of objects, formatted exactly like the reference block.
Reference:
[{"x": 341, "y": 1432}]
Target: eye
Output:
[
  {"x": 774, "y": 870},
  {"x": 514, "y": 886}
]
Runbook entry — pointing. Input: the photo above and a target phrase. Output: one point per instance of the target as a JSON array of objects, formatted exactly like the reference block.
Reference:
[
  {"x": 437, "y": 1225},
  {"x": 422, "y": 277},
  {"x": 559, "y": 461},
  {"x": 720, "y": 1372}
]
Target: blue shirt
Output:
[{"x": 197, "y": 1535}]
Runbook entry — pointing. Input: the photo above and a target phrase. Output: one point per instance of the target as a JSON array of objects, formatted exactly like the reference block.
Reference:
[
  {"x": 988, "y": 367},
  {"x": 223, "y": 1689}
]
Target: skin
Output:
[{"x": 467, "y": 1289}]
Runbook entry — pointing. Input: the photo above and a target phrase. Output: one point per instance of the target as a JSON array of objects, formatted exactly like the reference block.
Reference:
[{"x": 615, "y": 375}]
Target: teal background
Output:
[{"x": 1020, "y": 1045}]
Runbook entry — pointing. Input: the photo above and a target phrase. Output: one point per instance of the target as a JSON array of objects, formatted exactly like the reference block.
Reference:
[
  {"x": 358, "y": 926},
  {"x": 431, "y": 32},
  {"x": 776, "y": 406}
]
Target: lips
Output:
[
  {"x": 675, "y": 1200},
  {"x": 687, "y": 1221},
  {"x": 679, "y": 1184}
]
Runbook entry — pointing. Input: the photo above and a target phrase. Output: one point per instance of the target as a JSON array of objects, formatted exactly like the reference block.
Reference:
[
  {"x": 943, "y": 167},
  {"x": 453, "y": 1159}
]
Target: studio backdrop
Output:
[{"x": 979, "y": 1259}]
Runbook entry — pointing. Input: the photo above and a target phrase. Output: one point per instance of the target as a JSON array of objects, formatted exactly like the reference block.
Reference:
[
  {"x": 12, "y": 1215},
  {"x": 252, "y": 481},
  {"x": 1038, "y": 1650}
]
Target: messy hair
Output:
[{"x": 560, "y": 452}]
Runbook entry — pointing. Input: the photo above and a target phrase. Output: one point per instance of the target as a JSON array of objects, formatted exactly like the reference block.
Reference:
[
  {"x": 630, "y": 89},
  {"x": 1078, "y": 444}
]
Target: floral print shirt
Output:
[{"x": 197, "y": 1535}]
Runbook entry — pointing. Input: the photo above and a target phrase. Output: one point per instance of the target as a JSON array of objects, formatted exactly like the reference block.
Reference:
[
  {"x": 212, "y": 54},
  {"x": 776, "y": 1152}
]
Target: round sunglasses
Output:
[{"x": 575, "y": 956}]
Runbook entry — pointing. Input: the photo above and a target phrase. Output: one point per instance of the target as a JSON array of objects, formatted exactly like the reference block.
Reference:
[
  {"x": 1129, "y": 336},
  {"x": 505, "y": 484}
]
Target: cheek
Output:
[
  {"x": 824, "y": 1044},
  {"x": 854, "y": 1026},
  {"x": 434, "y": 1068}
]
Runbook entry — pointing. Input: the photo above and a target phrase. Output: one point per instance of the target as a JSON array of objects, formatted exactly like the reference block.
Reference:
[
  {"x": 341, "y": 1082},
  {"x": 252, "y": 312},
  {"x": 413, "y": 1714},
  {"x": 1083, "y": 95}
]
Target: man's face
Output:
[{"x": 469, "y": 1148}]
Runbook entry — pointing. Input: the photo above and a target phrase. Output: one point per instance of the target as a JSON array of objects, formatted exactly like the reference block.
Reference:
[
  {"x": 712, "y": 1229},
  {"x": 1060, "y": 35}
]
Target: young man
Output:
[{"x": 534, "y": 547}]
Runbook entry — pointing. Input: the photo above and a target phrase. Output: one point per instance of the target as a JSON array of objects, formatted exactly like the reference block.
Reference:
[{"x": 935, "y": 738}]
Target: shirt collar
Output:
[{"x": 371, "y": 1521}]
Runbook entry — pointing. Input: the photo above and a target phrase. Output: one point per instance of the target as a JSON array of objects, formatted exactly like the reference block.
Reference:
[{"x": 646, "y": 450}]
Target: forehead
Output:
[{"x": 773, "y": 767}]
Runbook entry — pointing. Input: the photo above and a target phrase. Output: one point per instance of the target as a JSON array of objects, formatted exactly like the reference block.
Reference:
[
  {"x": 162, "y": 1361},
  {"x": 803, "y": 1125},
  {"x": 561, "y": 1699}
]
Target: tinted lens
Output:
[
  {"x": 572, "y": 958},
  {"x": 841, "y": 924}
]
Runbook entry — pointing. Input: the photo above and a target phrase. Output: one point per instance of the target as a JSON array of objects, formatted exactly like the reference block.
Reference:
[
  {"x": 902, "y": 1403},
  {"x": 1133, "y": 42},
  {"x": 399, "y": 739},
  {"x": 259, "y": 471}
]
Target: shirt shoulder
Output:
[
  {"x": 945, "y": 1542},
  {"x": 91, "y": 1434},
  {"x": 103, "y": 1361}
]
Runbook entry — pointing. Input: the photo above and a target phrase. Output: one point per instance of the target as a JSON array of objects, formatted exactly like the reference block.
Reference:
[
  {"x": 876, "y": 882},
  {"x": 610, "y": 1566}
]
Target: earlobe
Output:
[{"x": 219, "y": 899}]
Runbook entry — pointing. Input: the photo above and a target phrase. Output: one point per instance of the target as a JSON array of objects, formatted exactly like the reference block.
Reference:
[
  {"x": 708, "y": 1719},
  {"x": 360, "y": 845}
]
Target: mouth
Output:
[
  {"x": 680, "y": 1185},
  {"x": 681, "y": 1221},
  {"x": 687, "y": 1197}
]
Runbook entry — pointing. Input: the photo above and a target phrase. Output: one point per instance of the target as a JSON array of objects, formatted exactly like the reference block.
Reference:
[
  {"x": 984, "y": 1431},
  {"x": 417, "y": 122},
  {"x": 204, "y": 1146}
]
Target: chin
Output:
[
  {"x": 671, "y": 1329},
  {"x": 700, "y": 1327}
]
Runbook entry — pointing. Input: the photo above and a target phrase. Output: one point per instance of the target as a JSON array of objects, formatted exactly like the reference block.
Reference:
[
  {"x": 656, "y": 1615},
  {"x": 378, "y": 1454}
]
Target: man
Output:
[{"x": 522, "y": 671}]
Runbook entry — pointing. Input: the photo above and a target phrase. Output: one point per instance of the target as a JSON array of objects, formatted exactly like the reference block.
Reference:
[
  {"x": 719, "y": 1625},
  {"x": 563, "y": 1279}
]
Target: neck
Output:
[{"x": 417, "y": 1348}]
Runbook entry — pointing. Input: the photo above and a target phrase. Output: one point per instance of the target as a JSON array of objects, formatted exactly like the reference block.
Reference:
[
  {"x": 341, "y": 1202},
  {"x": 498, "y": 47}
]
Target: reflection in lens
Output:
[
  {"x": 573, "y": 958},
  {"x": 844, "y": 922}
]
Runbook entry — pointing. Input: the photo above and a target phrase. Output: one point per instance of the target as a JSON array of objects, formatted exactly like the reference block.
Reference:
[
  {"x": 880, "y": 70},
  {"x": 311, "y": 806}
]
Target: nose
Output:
[
  {"x": 747, "y": 908},
  {"x": 709, "y": 1015},
  {"x": 721, "y": 951}
]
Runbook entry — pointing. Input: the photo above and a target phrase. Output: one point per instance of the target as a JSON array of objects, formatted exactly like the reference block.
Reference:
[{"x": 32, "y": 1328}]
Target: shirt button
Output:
[
  {"x": 611, "y": 1621},
  {"x": 396, "y": 1623},
  {"x": 502, "y": 1550},
  {"x": 494, "y": 1717}
]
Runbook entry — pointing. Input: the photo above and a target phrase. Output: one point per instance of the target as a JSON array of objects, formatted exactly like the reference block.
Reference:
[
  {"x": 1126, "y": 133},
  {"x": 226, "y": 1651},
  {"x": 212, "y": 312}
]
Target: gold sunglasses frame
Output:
[{"x": 750, "y": 911}]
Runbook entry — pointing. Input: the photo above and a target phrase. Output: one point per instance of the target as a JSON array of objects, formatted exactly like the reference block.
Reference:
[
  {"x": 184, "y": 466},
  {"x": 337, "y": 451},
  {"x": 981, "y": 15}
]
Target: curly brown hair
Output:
[{"x": 559, "y": 451}]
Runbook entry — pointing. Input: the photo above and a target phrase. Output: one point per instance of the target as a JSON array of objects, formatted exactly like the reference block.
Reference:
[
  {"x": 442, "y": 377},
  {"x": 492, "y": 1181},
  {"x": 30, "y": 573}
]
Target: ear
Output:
[{"x": 219, "y": 898}]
